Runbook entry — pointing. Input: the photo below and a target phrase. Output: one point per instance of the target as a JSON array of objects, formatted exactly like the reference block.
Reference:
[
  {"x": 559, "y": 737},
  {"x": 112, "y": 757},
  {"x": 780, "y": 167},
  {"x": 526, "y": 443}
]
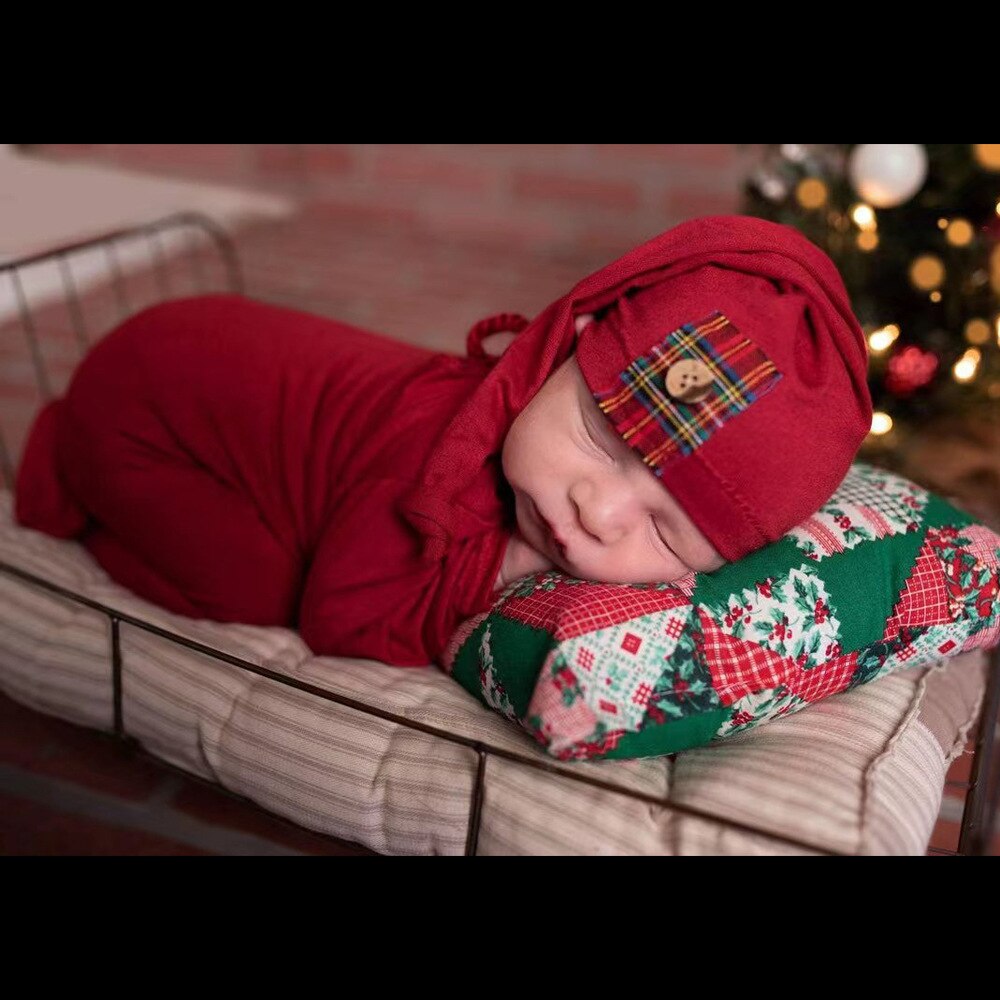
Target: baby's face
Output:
[{"x": 608, "y": 517}]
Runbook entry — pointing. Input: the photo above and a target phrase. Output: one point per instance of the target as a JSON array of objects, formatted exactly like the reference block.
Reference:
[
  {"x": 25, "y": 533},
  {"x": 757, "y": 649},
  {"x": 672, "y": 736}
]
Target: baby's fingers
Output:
[{"x": 582, "y": 321}]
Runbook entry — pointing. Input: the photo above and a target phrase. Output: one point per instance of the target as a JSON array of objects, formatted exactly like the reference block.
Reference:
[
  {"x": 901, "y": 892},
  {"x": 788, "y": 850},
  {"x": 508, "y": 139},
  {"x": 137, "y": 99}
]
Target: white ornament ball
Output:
[
  {"x": 770, "y": 185},
  {"x": 887, "y": 174}
]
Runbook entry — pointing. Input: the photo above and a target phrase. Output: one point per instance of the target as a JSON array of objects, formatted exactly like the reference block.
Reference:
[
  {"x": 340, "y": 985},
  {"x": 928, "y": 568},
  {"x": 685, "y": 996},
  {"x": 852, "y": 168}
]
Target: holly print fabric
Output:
[{"x": 885, "y": 576}]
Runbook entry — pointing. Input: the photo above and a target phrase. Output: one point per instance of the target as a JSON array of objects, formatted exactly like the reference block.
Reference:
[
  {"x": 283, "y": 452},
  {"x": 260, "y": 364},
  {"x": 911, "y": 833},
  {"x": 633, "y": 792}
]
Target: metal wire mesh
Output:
[{"x": 188, "y": 232}]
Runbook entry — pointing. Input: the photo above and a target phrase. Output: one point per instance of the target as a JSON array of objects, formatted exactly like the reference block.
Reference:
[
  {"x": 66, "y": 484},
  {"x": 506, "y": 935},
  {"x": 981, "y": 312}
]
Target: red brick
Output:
[
  {"x": 43, "y": 744},
  {"x": 25, "y": 735},
  {"x": 689, "y": 202},
  {"x": 22, "y": 388},
  {"x": 327, "y": 158},
  {"x": 184, "y": 156},
  {"x": 945, "y": 835},
  {"x": 279, "y": 159},
  {"x": 720, "y": 154},
  {"x": 218, "y": 809},
  {"x": 513, "y": 230},
  {"x": 526, "y": 152},
  {"x": 335, "y": 212},
  {"x": 574, "y": 189},
  {"x": 27, "y": 828},
  {"x": 961, "y": 767},
  {"x": 416, "y": 167},
  {"x": 97, "y": 762},
  {"x": 606, "y": 242},
  {"x": 71, "y": 149}
]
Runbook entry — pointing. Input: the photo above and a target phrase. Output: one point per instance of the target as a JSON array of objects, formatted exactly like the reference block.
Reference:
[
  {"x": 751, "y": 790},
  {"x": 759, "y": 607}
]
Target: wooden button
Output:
[{"x": 689, "y": 381}]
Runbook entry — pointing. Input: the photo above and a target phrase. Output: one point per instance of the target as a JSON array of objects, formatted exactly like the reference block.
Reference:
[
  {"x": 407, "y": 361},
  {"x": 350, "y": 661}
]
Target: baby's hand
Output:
[
  {"x": 519, "y": 560},
  {"x": 582, "y": 321}
]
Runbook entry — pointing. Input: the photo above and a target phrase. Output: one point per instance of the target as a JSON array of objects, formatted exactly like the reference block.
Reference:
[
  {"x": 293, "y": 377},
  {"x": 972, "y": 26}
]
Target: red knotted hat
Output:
[
  {"x": 724, "y": 351},
  {"x": 737, "y": 372}
]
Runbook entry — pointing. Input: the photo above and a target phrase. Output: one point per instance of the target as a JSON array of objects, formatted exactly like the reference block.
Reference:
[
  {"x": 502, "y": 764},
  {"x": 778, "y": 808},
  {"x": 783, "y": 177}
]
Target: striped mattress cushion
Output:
[{"x": 860, "y": 773}]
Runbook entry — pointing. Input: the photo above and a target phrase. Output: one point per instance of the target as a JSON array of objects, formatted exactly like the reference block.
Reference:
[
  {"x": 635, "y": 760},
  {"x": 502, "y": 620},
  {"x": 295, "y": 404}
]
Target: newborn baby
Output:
[
  {"x": 585, "y": 502},
  {"x": 679, "y": 408}
]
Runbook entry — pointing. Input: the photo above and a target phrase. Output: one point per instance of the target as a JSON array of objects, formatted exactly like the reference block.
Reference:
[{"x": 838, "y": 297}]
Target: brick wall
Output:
[
  {"x": 414, "y": 241},
  {"x": 601, "y": 196}
]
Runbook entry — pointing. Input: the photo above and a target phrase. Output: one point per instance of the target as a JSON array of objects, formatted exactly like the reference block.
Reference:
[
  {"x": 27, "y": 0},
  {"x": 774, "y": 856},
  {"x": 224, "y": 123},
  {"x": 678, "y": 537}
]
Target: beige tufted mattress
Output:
[{"x": 861, "y": 772}]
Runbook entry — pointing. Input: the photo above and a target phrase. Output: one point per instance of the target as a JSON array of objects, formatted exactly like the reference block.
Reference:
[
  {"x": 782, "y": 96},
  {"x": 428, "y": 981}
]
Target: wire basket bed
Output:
[{"x": 190, "y": 236}]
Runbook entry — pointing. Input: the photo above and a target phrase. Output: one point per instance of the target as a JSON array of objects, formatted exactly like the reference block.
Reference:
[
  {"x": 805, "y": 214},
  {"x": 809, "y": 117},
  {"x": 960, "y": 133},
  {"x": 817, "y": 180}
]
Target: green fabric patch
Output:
[
  {"x": 671, "y": 737},
  {"x": 865, "y": 584},
  {"x": 518, "y": 653}
]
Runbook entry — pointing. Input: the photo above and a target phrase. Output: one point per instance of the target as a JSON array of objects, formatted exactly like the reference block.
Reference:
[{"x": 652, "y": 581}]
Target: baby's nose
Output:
[{"x": 608, "y": 516}]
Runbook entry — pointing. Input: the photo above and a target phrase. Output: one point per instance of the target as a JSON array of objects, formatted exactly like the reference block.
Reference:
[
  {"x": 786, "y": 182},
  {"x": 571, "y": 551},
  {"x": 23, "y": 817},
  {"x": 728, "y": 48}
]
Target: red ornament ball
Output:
[{"x": 910, "y": 369}]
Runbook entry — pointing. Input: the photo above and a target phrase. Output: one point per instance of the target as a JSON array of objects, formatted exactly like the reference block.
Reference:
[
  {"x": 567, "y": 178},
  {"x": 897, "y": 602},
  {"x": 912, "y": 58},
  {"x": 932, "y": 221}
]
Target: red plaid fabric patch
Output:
[
  {"x": 740, "y": 667},
  {"x": 594, "y": 607},
  {"x": 820, "y": 682},
  {"x": 924, "y": 600},
  {"x": 660, "y": 427}
]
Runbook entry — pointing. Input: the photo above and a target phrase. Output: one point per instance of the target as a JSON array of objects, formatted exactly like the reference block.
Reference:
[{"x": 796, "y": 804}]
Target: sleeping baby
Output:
[
  {"x": 583, "y": 497},
  {"x": 680, "y": 408}
]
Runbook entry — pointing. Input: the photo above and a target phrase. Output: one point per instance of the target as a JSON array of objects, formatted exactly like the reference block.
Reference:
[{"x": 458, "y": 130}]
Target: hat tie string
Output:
[{"x": 501, "y": 323}]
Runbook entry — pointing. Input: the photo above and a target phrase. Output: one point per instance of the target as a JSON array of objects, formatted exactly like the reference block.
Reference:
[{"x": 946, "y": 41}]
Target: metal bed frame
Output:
[{"x": 983, "y": 788}]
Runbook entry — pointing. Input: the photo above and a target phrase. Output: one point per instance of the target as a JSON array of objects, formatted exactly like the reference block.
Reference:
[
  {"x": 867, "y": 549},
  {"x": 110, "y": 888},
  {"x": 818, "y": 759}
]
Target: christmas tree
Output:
[{"x": 915, "y": 232}]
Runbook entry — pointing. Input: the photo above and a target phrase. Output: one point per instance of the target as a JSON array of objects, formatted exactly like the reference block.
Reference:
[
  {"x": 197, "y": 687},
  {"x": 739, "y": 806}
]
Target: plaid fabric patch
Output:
[
  {"x": 660, "y": 427},
  {"x": 601, "y": 605},
  {"x": 924, "y": 600}
]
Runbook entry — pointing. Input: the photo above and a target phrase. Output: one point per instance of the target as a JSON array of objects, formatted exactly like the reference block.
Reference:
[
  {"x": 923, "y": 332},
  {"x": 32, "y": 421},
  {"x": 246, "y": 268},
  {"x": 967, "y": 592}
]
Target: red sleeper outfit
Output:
[
  {"x": 239, "y": 461},
  {"x": 246, "y": 462}
]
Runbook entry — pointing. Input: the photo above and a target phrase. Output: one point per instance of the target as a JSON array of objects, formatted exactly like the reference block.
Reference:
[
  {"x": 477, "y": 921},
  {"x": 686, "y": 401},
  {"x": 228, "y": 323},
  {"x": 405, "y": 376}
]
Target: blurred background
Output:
[{"x": 420, "y": 241}]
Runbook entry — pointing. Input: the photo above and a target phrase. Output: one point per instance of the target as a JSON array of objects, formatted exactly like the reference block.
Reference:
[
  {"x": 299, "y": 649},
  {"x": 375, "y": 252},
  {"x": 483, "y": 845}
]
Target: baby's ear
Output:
[
  {"x": 582, "y": 321},
  {"x": 497, "y": 343}
]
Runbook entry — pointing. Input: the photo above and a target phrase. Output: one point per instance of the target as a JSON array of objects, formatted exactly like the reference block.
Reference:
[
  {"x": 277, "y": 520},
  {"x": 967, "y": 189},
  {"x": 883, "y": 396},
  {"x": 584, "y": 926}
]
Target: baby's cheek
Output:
[
  {"x": 507, "y": 460},
  {"x": 513, "y": 455}
]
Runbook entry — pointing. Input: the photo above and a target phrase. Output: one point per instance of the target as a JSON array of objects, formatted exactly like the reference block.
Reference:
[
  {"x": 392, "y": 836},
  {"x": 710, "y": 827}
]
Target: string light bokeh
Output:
[{"x": 914, "y": 229}]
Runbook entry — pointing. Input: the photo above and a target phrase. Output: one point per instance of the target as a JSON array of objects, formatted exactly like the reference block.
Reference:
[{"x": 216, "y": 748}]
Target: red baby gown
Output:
[
  {"x": 241, "y": 461},
  {"x": 234, "y": 460}
]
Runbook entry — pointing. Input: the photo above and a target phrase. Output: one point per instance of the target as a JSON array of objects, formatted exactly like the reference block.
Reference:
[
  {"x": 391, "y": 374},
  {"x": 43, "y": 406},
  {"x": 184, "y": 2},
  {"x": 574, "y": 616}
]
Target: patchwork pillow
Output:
[{"x": 886, "y": 575}]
